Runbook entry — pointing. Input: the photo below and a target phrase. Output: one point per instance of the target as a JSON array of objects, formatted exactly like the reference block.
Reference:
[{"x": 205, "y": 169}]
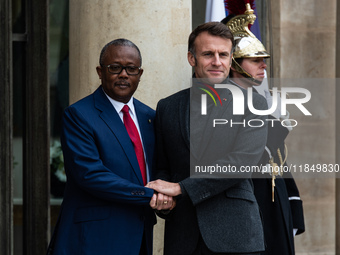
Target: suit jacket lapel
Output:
[
  {"x": 109, "y": 115},
  {"x": 184, "y": 117},
  {"x": 218, "y": 112}
]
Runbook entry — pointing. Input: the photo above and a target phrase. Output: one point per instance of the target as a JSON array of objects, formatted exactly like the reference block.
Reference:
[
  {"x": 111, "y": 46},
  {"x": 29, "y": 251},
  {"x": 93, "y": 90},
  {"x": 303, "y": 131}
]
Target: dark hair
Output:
[
  {"x": 119, "y": 42},
  {"x": 226, "y": 19},
  {"x": 213, "y": 28}
]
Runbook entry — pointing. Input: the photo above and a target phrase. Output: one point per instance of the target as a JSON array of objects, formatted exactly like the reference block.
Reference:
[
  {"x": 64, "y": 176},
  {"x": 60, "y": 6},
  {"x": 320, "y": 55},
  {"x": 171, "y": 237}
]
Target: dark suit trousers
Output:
[
  {"x": 202, "y": 249},
  {"x": 143, "y": 249}
]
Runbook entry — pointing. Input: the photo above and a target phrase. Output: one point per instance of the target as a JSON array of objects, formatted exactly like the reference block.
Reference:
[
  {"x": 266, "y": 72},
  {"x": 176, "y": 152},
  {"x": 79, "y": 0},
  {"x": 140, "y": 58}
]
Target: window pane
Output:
[
  {"x": 59, "y": 87},
  {"x": 19, "y": 77},
  {"x": 18, "y": 16}
]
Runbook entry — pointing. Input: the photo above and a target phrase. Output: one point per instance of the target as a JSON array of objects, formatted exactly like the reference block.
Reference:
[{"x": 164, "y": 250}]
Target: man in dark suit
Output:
[
  {"x": 215, "y": 215},
  {"x": 106, "y": 206}
]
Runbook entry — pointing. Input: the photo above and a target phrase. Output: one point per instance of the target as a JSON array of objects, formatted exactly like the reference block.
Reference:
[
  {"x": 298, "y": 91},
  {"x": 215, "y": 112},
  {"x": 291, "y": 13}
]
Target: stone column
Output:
[
  {"x": 159, "y": 28},
  {"x": 337, "y": 135},
  {"x": 307, "y": 40}
]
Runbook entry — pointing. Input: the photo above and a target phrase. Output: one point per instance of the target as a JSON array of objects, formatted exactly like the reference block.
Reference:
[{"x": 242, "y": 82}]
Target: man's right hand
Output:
[{"x": 160, "y": 201}]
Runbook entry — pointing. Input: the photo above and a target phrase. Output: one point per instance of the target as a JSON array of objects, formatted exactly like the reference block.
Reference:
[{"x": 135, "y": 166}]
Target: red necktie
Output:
[{"x": 136, "y": 141}]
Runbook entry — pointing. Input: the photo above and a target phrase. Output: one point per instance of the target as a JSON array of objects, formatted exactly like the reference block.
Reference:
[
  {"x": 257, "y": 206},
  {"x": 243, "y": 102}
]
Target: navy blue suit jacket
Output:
[{"x": 106, "y": 206}]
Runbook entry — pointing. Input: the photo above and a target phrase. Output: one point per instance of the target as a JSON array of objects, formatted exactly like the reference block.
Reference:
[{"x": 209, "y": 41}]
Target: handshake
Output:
[{"x": 165, "y": 193}]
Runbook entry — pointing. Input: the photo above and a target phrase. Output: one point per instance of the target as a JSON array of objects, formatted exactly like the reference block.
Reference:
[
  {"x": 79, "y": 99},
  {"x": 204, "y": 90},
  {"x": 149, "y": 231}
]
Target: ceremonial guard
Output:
[{"x": 275, "y": 191}]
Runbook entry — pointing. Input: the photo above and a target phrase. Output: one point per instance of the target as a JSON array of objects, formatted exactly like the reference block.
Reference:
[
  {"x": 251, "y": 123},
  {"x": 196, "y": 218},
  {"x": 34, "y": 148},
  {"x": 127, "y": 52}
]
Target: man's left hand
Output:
[{"x": 167, "y": 188}]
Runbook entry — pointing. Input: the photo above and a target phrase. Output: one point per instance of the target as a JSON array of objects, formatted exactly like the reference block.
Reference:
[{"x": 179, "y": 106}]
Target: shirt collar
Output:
[{"x": 119, "y": 105}]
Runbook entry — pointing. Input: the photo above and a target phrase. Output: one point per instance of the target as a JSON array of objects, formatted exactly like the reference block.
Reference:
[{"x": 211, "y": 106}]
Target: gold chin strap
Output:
[{"x": 244, "y": 73}]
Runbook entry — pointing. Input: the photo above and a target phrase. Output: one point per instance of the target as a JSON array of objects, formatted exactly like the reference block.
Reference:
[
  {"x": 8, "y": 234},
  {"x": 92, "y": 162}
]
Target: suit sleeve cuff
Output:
[
  {"x": 297, "y": 214},
  {"x": 184, "y": 192}
]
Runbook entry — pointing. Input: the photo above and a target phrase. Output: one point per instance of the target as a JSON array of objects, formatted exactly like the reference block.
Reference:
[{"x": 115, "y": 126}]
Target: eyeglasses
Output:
[{"x": 117, "y": 69}]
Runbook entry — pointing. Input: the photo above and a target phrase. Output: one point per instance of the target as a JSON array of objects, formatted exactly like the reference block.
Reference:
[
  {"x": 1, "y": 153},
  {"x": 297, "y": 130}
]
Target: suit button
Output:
[
  {"x": 133, "y": 193},
  {"x": 142, "y": 193}
]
